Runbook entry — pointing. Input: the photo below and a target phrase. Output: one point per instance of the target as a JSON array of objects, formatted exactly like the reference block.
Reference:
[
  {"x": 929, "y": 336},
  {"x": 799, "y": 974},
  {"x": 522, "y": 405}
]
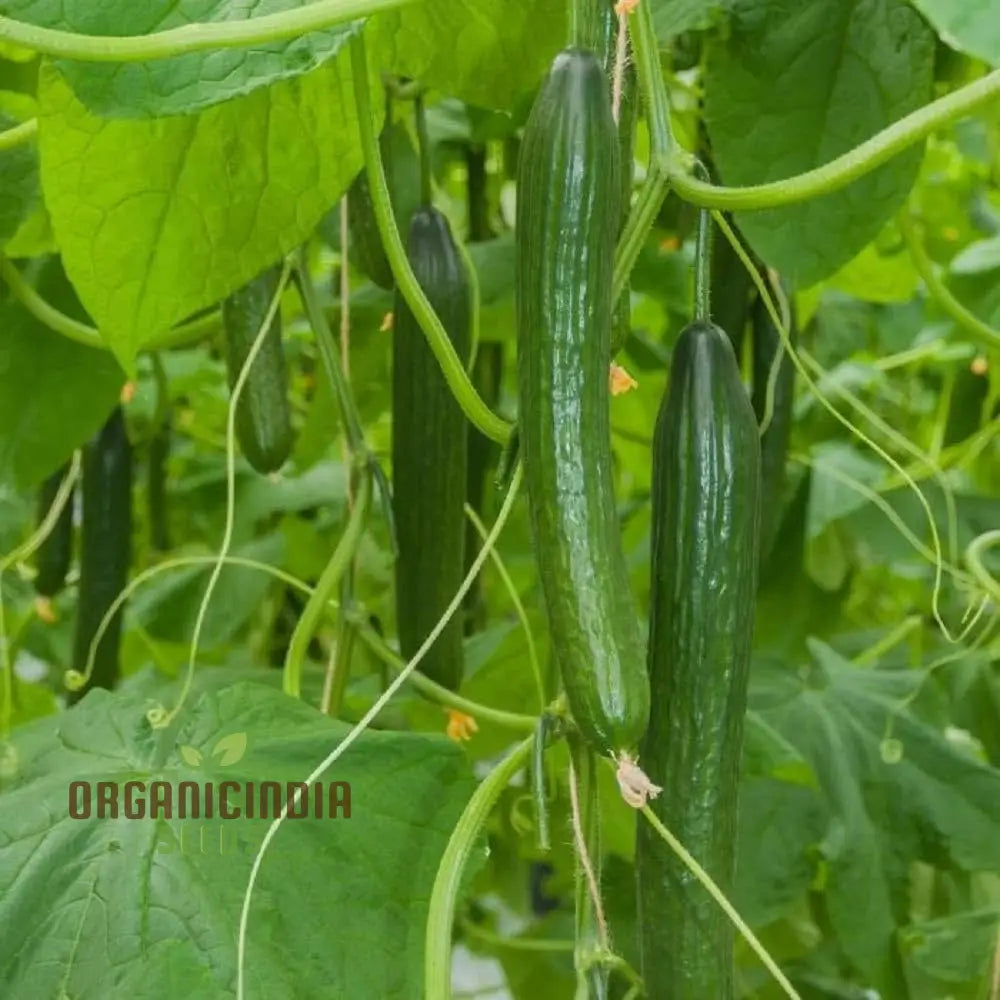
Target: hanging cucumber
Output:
[
  {"x": 706, "y": 514},
  {"x": 399, "y": 158},
  {"x": 55, "y": 554},
  {"x": 429, "y": 453},
  {"x": 774, "y": 441},
  {"x": 105, "y": 549},
  {"x": 569, "y": 189},
  {"x": 263, "y": 421}
]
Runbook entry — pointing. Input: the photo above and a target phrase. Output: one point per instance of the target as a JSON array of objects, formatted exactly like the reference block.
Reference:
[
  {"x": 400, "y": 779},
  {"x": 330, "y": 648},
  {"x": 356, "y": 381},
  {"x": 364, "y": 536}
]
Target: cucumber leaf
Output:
[{"x": 121, "y": 908}]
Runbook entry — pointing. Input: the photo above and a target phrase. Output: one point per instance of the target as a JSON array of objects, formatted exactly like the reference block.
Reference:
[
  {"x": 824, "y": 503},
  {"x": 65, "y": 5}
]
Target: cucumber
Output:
[
  {"x": 706, "y": 516},
  {"x": 263, "y": 421},
  {"x": 55, "y": 554},
  {"x": 105, "y": 548},
  {"x": 569, "y": 190},
  {"x": 430, "y": 453},
  {"x": 774, "y": 441},
  {"x": 399, "y": 159}
]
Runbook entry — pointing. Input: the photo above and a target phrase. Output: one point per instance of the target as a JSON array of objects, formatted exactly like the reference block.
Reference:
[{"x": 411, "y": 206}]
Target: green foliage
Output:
[
  {"x": 56, "y": 393},
  {"x": 145, "y": 191},
  {"x": 102, "y": 880},
  {"x": 793, "y": 85},
  {"x": 157, "y": 219}
]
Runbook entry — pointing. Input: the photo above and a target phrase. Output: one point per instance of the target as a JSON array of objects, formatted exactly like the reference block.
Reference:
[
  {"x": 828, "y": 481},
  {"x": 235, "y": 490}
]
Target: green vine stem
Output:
[
  {"x": 441, "y": 913},
  {"x": 938, "y": 290},
  {"x": 546, "y": 724},
  {"x": 191, "y": 37},
  {"x": 46, "y": 314},
  {"x": 840, "y": 172},
  {"x": 312, "y": 613},
  {"x": 434, "y": 691},
  {"x": 974, "y": 560},
  {"x": 424, "y": 150},
  {"x": 646, "y": 54},
  {"x": 18, "y": 134},
  {"x": 703, "y": 268},
  {"x": 452, "y": 366},
  {"x": 493, "y": 940},
  {"x": 330, "y": 356},
  {"x": 515, "y": 599}
]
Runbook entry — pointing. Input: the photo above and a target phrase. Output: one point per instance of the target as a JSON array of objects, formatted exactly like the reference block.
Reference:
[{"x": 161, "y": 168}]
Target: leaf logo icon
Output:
[
  {"x": 191, "y": 756},
  {"x": 230, "y": 749}
]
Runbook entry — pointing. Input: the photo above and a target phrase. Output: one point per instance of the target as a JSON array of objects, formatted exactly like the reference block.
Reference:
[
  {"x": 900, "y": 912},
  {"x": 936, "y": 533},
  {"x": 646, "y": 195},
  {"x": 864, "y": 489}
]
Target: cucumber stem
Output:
[
  {"x": 424, "y": 147},
  {"x": 703, "y": 268}
]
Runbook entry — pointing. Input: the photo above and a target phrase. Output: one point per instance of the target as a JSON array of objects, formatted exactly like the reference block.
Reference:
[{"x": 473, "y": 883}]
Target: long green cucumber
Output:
[
  {"x": 105, "y": 549},
  {"x": 429, "y": 453},
  {"x": 54, "y": 555},
  {"x": 774, "y": 441},
  {"x": 569, "y": 189},
  {"x": 263, "y": 420},
  {"x": 706, "y": 516}
]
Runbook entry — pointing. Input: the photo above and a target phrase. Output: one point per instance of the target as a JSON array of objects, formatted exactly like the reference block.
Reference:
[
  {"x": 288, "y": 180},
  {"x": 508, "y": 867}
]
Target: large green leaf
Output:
[
  {"x": 54, "y": 393},
  {"x": 144, "y": 908},
  {"x": 969, "y": 25},
  {"x": 491, "y": 53},
  {"x": 672, "y": 17},
  {"x": 891, "y": 803},
  {"x": 157, "y": 219},
  {"x": 184, "y": 83},
  {"x": 793, "y": 85}
]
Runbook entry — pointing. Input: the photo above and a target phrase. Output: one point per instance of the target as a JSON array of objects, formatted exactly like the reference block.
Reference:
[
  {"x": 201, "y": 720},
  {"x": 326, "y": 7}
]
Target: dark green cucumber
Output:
[
  {"x": 399, "y": 160},
  {"x": 774, "y": 441},
  {"x": 429, "y": 453},
  {"x": 105, "y": 548},
  {"x": 706, "y": 515},
  {"x": 156, "y": 485},
  {"x": 263, "y": 421},
  {"x": 569, "y": 190},
  {"x": 54, "y": 555}
]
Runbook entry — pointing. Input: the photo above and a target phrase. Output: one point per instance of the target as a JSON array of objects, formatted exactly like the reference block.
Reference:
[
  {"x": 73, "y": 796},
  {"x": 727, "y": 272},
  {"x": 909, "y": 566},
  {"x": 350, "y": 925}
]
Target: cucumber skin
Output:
[
  {"x": 105, "y": 548},
  {"x": 567, "y": 222},
  {"x": 263, "y": 420},
  {"x": 774, "y": 441},
  {"x": 430, "y": 454},
  {"x": 52, "y": 561},
  {"x": 706, "y": 514}
]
